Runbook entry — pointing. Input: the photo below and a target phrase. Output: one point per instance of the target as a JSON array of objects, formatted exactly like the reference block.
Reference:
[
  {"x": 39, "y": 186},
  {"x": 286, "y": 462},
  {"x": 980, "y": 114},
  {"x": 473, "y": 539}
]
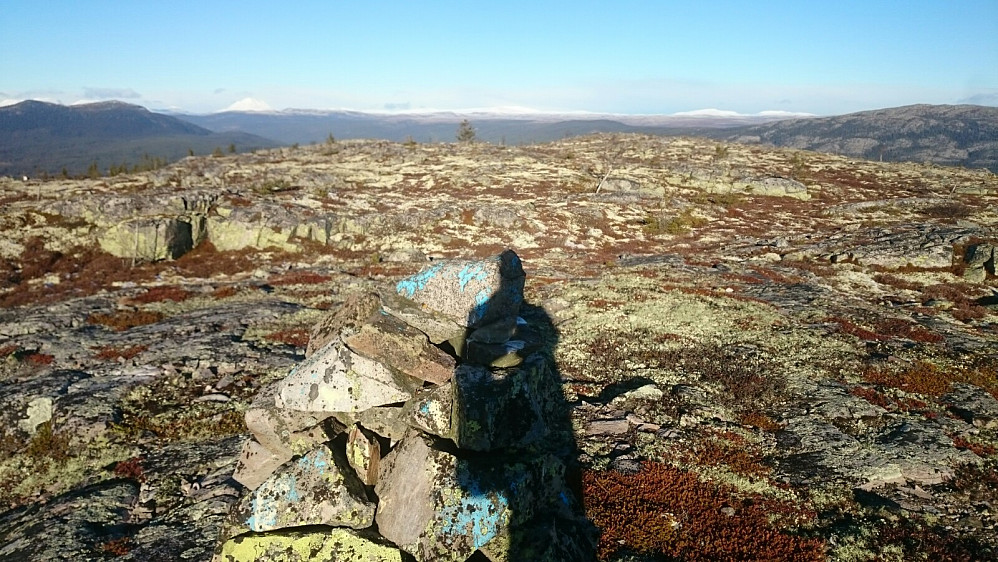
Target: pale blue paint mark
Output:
[
  {"x": 471, "y": 272},
  {"x": 425, "y": 409},
  {"x": 417, "y": 282},
  {"x": 484, "y": 514}
]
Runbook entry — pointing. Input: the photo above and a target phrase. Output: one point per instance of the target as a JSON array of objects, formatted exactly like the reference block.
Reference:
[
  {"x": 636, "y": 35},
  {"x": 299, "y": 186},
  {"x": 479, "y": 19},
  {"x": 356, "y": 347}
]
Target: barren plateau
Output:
[{"x": 766, "y": 354}]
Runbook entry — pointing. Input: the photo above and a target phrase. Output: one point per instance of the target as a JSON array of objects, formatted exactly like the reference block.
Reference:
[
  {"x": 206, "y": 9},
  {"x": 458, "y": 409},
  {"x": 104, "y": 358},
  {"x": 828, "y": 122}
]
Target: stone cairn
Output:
[{"x": 422, "y": 425}]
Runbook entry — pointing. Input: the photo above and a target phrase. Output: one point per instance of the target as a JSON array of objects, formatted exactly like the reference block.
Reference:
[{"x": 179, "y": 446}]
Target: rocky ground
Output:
[{"x": 765, "y": 354}]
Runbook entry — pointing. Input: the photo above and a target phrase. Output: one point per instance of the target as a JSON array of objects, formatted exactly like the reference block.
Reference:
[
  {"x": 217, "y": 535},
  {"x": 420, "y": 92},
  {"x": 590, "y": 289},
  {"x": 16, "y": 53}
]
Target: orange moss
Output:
[
  {"x": 224, "y": 292},
  {"x": 117, "y": 547},
  {"x": 159, "y": 294},
  {"x": 131, "y": 468},
  {"x": 298, "y": 278},
  {"x": 296, "y": 337},
  {"x": 40, "y": 359},
  {"x": 926, "y": 378},
  {"x": 668, "y": 512},
  {"x": 979, "y": 449},
  {"x": 855, "y": 330},
  {"x": 125, "y": 319},
  {"x": 760, "y": 420},
  {"x": 110, "y": 353}
]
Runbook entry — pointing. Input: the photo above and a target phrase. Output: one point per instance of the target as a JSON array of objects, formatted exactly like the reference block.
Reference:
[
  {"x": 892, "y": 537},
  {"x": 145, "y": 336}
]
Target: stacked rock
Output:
[{"x": 426, "y": 423}]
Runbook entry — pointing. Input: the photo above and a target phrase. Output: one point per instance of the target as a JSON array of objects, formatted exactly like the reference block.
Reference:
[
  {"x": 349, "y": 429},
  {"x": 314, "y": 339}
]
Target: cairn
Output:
[{"x": 424, "y": 424}]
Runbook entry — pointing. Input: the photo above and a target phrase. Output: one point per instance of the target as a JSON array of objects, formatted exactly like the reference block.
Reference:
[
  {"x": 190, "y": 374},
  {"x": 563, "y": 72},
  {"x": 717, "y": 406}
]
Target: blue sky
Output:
[{"x": 615, "y": 57}]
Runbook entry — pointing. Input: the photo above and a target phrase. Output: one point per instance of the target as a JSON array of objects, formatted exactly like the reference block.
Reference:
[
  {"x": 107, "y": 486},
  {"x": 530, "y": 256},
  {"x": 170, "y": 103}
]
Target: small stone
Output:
[
  {"x": 364, "y": 454},
  {"x": 256, "y": 464},
  {"x": 437, "y": 327},
  {"x": 607, "y": 427},
  {"x": 386, "y": 421},
  {"x": 39, "y": 411}
]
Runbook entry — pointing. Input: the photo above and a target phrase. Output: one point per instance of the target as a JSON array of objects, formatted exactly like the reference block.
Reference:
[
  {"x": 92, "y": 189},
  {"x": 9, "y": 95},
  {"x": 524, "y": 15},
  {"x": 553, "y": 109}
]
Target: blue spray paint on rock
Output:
[{"x": 408, "y": 286}]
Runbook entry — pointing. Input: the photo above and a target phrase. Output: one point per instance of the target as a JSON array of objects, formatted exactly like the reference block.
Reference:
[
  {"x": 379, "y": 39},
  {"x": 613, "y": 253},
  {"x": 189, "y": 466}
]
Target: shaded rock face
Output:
[{"x": 450, "y": 452}]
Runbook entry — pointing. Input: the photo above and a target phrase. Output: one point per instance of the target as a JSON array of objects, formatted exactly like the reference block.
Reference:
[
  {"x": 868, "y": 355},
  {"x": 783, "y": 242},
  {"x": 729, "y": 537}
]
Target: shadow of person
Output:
[{"x": 515, "y": 445}]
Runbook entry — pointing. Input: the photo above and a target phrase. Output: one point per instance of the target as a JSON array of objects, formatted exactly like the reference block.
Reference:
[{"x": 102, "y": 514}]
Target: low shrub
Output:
[{"x": 664, "y": 511}]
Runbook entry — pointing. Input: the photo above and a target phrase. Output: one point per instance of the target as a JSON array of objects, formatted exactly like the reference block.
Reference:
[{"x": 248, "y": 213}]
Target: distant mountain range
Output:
[
  {"x": 953, "y": 135},
  {"x": 38, "y": 137},
  {"x": 307, "y": 126}
]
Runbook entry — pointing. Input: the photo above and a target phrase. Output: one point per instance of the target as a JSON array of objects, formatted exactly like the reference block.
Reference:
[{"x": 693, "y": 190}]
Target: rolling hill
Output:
[
  {"x": 954, "y": 135},
  {"x": 39, "y": 137}
]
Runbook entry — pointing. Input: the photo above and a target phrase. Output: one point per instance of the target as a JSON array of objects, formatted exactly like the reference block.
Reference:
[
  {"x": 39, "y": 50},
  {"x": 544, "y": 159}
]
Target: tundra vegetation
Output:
[{"x": 768, "y": 354}]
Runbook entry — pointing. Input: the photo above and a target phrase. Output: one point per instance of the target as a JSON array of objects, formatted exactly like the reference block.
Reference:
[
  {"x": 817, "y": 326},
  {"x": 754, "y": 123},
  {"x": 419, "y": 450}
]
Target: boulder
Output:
[
  {"x": 336, "y": 379},
  {"x": 319, "y": 488},
  {"x": 394, "y": 343},
  {"x": 471, "y": 293},
  {"x": 980, "y": 261},
  {"x": 328, "y": 545},
  {"x": 150, "y": 239},
  {"x": 500, "y": 408}
]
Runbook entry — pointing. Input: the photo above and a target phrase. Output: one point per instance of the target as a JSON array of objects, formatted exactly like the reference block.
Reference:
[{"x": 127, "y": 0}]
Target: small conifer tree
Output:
[{"x": 465, "y": 132}]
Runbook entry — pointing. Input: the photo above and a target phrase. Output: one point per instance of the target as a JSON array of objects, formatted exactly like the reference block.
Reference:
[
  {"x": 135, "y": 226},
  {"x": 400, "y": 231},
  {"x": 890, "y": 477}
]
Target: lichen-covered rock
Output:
[
  {"x": 471, "y": 293},
  {"x": 336, "y": 379},
  {"x": 484, "y": 409},
  {"x": 394, "y": 343},
  {"x": 499, "y": 408},
  {"x": 278, "y": 435},
  {"x": 333, "y": 545},
  {"x": 151, "y": 238},
  {"x": 319, "y": 488},
  {"x": 437, "y": 507}
]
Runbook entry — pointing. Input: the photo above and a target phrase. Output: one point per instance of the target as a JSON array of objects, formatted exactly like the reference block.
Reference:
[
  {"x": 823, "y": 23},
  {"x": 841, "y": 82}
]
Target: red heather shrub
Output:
[{"x": 669, "y": 512}]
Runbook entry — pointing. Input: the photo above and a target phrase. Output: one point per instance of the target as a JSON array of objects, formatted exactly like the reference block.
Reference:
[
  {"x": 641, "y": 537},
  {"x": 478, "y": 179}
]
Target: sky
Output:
[{"x": 629, "y": 57}]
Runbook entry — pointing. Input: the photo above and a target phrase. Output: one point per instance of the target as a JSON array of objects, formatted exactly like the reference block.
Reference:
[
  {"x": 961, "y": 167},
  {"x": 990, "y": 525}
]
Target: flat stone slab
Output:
[
  {"x": 319, "y": 488},
  {"x": 394, "y": 343},
  {"x": 336, "y": 379},
  {"x": 331, "y": 545},
  {"x": 470, "y": 292}
]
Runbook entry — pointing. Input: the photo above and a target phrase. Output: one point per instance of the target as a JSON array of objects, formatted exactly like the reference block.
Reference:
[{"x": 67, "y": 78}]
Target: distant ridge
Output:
[
  {"x": 953, "y": 135},
  {"x": 41, "y": 137},
  {"x": 512, "y": 125}
]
